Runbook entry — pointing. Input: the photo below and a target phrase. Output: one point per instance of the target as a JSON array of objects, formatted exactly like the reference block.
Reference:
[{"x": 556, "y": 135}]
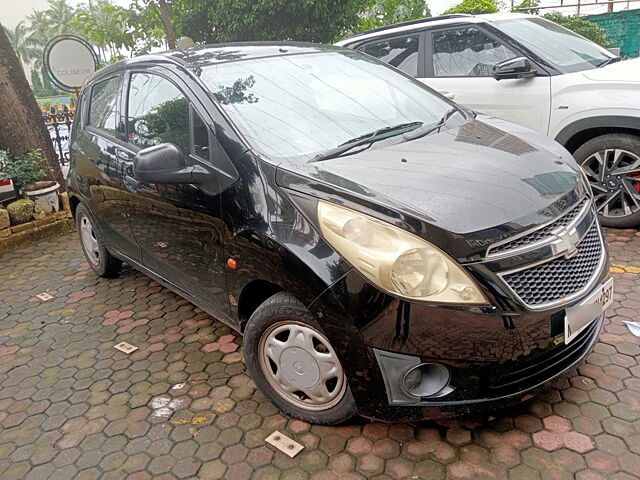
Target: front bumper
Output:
[{"x": 494, "y": 358}]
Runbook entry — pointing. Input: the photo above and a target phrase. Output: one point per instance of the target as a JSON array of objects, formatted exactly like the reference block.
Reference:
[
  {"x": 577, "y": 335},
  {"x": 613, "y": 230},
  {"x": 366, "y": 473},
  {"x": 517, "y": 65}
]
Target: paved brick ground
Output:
[{"x": 182, "y": 406}]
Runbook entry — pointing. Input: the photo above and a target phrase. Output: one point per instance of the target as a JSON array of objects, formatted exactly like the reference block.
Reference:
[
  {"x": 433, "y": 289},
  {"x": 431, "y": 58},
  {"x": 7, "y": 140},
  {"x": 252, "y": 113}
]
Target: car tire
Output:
[
  {"x": 613, "y": 192},
  {"x": 283, "y": 348},
  {"x": 93, "y": 247}
]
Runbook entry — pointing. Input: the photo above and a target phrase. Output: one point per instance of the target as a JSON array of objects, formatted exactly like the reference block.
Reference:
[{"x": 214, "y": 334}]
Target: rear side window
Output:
[
  {"x": 467, "y": 52},
  {"x": 401, "y": 52},
  {"x": 158, "y": 113},
  {"x": 102, "y": 109}
]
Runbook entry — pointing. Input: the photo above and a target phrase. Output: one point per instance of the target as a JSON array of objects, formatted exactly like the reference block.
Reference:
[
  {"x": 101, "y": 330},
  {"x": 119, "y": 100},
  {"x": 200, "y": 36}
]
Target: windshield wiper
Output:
[
  {"x": 426, "y": 131},
  {"x": 366, "y": 139},
  {"x": 608, "y": 61}
]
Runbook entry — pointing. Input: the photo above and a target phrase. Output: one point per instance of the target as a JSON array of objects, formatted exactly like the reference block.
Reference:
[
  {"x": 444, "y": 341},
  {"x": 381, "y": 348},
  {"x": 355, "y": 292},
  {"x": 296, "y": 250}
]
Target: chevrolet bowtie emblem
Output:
[{"x": 566, "y": 243}]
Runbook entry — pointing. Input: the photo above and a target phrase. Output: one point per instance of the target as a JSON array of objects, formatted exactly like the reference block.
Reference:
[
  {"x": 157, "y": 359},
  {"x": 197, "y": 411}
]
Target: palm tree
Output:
[
  {"x": 26, "y": 46},
  {"x": 59, "y": 16},
  {"x": 46, "y": 24}
]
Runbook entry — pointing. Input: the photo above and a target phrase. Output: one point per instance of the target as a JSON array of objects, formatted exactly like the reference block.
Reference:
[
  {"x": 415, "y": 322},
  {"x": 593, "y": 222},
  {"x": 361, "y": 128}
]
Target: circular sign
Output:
[{"x": 70, "y": 61}]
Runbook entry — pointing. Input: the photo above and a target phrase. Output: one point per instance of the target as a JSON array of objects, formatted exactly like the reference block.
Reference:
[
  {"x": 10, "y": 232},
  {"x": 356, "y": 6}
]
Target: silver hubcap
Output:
[
  {"x": 301, "y": 366},
  {"x": 89, "y": 241},
  {"x": 614, "y": 175}
]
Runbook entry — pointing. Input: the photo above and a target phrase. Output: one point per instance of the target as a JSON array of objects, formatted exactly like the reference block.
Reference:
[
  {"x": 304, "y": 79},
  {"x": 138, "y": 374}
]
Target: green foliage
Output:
[
  {"x": 215, "y": 21},
  {"x": 39, "y": 90},
  {"x": 107, "y": 26},
  {"x": 55, "y": 20},
  {"x": 386, "y": 12},
  {"x": 527, "y": 6},
  {"x": 25, "y": 170},
  {"x": 46, "y": 83},
  {"x": 145, "y": 26},
  {"x": 24, "y": 43},
  {"x": 474, "y": 7},
  {"x": 581, "y": 26}
]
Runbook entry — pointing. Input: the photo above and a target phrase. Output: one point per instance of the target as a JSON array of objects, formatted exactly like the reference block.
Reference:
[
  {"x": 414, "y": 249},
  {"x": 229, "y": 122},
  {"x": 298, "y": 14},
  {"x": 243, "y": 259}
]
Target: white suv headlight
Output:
[{"x": 396, "y": 260}]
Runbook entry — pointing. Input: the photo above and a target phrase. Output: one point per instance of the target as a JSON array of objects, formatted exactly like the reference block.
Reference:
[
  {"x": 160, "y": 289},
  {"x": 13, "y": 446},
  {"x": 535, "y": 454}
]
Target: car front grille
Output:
[
  {"x": 541, "y": 233},
  {"x": 561, "y": 277}
]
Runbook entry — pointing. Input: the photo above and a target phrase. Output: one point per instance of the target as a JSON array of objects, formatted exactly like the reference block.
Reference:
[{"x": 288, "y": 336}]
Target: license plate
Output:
[{"x": 581, "y": 316}]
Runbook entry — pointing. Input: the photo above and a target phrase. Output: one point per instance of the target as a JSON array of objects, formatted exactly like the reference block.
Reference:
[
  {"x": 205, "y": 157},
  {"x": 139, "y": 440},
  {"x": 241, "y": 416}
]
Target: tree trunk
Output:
[
  {"x": 165, "y": 17},
  {"x": 24, "y": 129}
]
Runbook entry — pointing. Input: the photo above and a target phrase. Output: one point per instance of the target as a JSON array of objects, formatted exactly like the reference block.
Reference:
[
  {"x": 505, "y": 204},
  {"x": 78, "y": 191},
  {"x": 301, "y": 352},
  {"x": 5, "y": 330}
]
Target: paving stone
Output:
[{"x": 548, "y": 440}]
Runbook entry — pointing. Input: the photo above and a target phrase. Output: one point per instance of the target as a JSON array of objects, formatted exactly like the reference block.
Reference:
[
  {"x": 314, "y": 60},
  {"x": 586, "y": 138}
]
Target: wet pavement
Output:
[{"x": 182, "y": 405}]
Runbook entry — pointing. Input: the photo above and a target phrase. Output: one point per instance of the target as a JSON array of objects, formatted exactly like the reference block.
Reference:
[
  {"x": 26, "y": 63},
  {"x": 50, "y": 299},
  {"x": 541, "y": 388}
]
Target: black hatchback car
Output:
[{"x": 382, "y": 250}]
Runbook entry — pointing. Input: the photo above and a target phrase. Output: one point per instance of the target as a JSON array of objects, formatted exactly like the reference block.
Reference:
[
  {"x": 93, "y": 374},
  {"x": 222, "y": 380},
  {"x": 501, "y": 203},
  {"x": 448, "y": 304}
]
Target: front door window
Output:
[
  {"x": 467, "y": 52},
  {"x": 158, "y": 113}
]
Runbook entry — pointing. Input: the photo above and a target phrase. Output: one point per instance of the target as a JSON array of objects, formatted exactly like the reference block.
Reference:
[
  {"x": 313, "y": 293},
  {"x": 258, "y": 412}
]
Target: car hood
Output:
[
  {"x": 476, "y": 180},
  {"x": 623, "y": 71}
]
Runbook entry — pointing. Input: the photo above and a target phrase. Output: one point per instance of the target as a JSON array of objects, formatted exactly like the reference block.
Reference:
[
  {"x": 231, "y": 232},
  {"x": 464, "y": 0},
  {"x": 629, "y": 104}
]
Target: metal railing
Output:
[{"x": 58, "y": 123}]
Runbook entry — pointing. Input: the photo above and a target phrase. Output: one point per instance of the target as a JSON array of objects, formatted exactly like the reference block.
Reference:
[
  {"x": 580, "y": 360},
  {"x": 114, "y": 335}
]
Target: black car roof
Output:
[
  {"x": 202, "y": 55},
  {"x": 230, "y": 52}
]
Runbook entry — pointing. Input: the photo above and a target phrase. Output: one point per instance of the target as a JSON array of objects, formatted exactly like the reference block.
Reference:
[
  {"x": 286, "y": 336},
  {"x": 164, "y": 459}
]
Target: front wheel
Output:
[
  {"x": 293, "y": 363},
  {"x": 612, "y": 165}
]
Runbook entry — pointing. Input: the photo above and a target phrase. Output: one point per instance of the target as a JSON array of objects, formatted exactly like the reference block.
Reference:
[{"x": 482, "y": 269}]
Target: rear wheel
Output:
[
  {"x": 612, "y": 165},
  {"x": 294, "y": 364},
  {"x": 95, "y": 251}
]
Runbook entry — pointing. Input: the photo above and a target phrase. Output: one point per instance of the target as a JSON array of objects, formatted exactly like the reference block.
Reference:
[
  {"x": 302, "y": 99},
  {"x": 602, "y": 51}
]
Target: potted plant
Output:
[{"x": 25, "y": 172}]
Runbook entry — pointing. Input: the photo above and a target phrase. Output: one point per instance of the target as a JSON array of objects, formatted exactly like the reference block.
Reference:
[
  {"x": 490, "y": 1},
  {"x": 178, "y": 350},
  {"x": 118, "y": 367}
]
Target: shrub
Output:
[
  {"x": 474, "y": 7},
  {"x": 26, "y": 170},
  {"x": 20, "y": 211}
]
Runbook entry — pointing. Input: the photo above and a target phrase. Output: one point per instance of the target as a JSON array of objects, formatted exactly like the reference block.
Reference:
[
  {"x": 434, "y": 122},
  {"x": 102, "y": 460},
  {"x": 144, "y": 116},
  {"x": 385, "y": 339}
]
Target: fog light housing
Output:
[
  {"x": 407, "y": 379},
  {"x": 426, "y": 380}
]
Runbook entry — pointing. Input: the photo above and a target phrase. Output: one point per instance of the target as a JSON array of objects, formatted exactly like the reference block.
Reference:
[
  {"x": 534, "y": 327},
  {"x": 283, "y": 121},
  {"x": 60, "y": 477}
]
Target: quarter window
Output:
[
  {"x": 102, "y": 109},
  {"x": 466, "y": 52},
  {"x": 200, "y": 137},
  {"x": 158, "y": 113},
  {"x": 400, "y": 52}
]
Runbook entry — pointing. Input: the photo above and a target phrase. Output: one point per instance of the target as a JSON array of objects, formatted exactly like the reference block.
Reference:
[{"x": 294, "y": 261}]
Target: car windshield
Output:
[
  {"x": 299, "y": 106},
  {"x": 562, "y": 48}
]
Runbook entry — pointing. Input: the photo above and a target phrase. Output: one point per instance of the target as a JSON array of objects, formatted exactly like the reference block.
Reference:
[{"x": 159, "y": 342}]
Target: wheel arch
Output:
[
  {"x": 252, "y": 295},
  {"x": 577, "y": 133},
  {"x": 73, "y": 204}
]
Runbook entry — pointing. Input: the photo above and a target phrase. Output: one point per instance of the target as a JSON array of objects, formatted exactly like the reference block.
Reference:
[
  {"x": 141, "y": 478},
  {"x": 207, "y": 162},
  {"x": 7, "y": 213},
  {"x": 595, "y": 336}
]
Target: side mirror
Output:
[
  {"x": 519, "y": 67},
  {"x": 164, "y": 163}
]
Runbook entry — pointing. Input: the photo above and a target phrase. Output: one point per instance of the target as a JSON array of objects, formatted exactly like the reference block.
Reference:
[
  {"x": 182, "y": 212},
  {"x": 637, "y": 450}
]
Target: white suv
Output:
[{"x": 536, "y": 73}]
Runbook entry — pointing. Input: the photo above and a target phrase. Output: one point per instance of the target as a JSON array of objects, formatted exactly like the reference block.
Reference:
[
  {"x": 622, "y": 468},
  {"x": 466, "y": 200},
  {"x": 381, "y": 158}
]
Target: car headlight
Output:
[{"x": 396, "y": 260}]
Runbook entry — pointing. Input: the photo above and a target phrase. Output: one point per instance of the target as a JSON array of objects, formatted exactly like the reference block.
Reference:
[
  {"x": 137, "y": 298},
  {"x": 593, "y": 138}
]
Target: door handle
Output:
[{"x": 447, "y": 94}]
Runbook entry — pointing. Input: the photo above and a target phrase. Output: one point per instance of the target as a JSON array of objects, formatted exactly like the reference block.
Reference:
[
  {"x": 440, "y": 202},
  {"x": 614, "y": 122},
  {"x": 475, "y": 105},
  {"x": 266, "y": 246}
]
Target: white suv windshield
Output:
[
  {"x": 296, "y": 106},
  {"x": 560, "y": 47}
]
